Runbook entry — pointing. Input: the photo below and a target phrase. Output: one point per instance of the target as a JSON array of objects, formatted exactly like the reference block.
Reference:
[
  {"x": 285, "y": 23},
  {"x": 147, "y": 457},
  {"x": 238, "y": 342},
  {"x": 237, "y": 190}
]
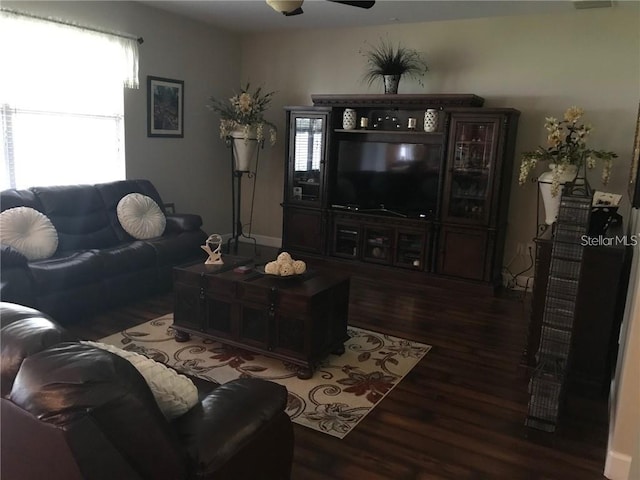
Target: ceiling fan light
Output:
[{"x": 285, "y": 6}]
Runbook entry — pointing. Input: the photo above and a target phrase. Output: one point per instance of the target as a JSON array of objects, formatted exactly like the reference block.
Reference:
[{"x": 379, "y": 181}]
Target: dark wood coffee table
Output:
[{"x": 300, "y": 320}]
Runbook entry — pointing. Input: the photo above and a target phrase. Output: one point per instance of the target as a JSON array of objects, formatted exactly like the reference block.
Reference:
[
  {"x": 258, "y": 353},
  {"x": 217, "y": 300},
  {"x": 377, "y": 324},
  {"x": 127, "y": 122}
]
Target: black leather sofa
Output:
[
  {"x": 97, "y": 264},
  {"x": 71, "y": 411}
]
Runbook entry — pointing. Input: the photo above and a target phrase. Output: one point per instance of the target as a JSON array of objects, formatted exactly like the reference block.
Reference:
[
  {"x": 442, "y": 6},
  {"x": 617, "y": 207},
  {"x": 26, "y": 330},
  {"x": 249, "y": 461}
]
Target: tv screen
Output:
[{"x": 399, "y": 178}]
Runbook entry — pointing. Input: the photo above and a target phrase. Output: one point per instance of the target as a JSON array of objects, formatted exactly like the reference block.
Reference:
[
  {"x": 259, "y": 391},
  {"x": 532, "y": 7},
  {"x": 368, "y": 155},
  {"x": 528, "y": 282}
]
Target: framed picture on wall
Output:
[
  {"x": 634, "y": 175},
  {"x": 165, "y": 107}
]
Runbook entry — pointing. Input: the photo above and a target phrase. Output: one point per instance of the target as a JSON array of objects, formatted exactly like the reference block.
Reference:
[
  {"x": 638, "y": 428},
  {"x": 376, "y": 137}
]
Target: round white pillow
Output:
[
  {"x": 140, "y": 216},
  {"x": 28, "y": 231},
  {"x": 175, "y": 394}
]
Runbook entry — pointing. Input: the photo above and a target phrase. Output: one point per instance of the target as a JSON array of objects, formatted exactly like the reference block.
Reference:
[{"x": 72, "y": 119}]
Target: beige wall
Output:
[
  {"x": 537, "y": 64},
  {"x": 194, "y": 171}
]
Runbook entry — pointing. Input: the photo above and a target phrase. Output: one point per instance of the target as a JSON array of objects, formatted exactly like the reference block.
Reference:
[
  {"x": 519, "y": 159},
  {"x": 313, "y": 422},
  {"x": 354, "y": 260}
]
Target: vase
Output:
[
  {"x": 349, "y": 117},
  {"x": 244, "y": 149},
  {"x": 552, "y": 203},
  {"x": 391, "y": 83},
  {"x": 431, "y": 120}
]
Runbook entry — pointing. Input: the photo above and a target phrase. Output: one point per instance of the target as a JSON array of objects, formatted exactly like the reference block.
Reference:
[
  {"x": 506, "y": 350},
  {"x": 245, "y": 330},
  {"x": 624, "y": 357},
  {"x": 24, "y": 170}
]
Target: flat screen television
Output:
[{"x": 394, "y": 178}]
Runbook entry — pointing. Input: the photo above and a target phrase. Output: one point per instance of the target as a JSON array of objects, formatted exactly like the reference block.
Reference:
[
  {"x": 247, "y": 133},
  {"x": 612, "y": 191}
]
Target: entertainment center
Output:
[{"x": 390, "y": 194}]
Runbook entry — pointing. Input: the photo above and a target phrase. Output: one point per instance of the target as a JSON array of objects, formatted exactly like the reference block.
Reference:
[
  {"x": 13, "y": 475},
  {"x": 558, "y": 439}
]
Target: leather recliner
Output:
[{"x": 71, "y": 411}]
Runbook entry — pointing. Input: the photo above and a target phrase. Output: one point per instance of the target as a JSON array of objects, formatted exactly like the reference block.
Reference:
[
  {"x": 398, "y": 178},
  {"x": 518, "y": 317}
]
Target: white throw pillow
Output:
[
  {"x": 140, "y": 216},
  {"x": 174, "y": 393},
  {"x": 28, "y": 231}
]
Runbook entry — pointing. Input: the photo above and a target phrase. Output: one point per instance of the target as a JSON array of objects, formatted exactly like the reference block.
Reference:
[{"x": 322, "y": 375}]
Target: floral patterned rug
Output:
[{"x": 342, "y": 391}]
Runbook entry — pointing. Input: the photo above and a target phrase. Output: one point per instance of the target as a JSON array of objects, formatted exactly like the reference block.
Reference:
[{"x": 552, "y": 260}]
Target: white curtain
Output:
[{"x": 62, "y": 102}]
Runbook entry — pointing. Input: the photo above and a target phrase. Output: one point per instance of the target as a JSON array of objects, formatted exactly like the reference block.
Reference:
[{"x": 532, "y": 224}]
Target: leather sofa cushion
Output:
[
  {"x": 183, "y": 222},
  {"x": 64, "y": 271},
  {"x": 227, "y": 419},
  {"x": 12, "y": 198},
  {"x": 173, "y": 249},
  {"x": 79, "y": 215},
  {"x": 12, "y": 257},
  {"x": 25, "y": 331},
  {"x": 127, "y": 257}
]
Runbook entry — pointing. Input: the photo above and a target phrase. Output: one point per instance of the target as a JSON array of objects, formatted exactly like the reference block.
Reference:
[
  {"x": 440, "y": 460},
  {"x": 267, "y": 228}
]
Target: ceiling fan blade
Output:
[
  {"x": 297, "y": 11},
  {"x": 355, "y": 3}
]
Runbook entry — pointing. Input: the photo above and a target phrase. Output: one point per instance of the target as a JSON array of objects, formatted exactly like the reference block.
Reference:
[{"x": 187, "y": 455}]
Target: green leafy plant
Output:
[
  {"x": 387, "y": 59},
  {"x": 245, "y": 111},
  {"x": 566, "y": 145}
]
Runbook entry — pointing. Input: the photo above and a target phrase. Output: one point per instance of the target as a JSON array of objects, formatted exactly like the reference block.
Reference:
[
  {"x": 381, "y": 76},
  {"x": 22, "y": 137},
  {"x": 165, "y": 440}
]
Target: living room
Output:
[{"x": 539, "y": 63}]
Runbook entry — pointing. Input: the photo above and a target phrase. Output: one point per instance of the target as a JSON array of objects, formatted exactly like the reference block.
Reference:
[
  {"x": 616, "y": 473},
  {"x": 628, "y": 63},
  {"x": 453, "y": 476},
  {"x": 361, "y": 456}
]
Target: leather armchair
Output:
[{"x": 71, "y": 411}]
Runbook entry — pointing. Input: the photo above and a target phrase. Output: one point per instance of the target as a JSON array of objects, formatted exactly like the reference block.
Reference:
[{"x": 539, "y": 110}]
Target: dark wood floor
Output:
[{"x": 459, "y": 414}]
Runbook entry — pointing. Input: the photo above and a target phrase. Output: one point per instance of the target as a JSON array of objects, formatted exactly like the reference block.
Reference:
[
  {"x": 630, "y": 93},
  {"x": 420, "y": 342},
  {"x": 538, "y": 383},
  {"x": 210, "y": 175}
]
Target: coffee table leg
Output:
[
  {"x": 305, "y": 373},
  {"x": 181, "y": 336},
  {"x": 338, "y": 350}
]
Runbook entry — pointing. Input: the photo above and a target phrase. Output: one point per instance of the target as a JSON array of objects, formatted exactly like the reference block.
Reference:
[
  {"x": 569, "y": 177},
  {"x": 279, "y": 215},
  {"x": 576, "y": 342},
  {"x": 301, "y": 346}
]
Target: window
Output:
[{"x": 62, "y": 102}]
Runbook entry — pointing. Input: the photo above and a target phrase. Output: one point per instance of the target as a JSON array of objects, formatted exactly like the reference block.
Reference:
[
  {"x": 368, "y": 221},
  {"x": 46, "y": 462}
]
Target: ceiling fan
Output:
[{"x": 294, "y": 7}]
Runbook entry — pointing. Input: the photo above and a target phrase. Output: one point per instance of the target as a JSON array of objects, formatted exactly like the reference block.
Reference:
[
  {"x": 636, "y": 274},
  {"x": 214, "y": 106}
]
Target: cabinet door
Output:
[
  {"x": 346, "y": 239},
  {"x": 306, "y": 158},
  {"x": 410, "y": 249},
  {"x": 378, "y": 244},
  {"x": 463, "y": 252},
  {"x": 471, "y": 166},
  {"x": 303, "y": 230}
]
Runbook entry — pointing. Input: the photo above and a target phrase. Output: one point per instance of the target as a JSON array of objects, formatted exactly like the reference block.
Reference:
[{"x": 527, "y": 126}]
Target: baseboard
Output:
[{"x": 617, "y": 466}]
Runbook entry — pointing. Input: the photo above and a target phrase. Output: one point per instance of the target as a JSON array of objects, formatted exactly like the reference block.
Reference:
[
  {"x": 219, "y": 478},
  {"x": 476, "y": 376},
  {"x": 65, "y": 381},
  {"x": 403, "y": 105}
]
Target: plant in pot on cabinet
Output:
[
  {"x": 567, "y": 156},
  {"x": 242, "y": 120},
  {"x": 389, "y": 63}
]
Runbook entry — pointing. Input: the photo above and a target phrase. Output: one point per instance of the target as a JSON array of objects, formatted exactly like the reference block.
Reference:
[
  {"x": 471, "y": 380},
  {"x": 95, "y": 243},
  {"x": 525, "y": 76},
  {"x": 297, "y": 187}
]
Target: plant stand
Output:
[{"x": 236, "y": 201}]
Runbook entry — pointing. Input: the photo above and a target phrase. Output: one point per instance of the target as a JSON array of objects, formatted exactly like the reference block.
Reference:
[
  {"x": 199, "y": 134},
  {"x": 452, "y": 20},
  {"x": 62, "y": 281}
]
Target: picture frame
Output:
[
  {"x": 165, "y": 107},
  {"x": 634, "y": 174}
]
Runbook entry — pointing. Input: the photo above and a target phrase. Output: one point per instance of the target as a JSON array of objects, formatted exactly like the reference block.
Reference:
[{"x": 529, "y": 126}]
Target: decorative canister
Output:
[
  {"x": 349, "y": 118},
  {"x": 431, "y": 120}
]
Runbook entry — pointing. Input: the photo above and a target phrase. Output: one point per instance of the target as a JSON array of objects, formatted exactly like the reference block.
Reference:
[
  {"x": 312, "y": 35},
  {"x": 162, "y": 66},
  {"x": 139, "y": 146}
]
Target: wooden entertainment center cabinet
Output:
[{"x": 389, "y": 194}]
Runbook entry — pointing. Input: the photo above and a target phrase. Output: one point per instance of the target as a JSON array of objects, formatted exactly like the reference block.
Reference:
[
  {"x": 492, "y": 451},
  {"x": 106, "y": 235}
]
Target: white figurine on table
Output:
[{"x": 212, "y": 246}]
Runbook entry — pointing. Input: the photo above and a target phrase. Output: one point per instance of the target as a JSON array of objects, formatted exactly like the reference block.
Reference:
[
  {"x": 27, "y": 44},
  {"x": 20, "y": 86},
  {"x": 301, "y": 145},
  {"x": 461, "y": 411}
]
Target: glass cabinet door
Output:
[
  {"x": 306, "y": 163},
  {"x": 471, "y": 161}
]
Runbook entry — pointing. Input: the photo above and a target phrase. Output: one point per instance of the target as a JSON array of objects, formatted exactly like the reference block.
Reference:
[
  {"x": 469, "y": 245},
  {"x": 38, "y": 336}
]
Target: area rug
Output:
[{"x": 342, "y": 391}]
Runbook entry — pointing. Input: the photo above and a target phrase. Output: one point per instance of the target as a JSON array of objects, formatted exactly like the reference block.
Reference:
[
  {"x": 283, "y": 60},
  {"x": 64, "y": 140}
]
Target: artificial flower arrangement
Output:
[
  {"x": 245, "y": 111},
  {"x": 566, "y": 142}
]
